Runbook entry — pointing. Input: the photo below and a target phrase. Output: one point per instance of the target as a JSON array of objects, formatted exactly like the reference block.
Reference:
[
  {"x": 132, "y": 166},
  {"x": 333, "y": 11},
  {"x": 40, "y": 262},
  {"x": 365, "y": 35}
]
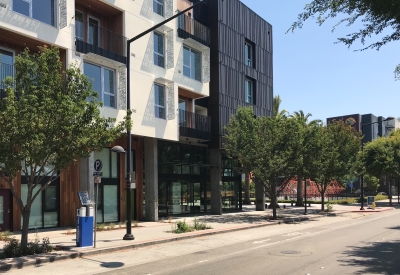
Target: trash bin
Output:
[{"x": 84, "y": 226}]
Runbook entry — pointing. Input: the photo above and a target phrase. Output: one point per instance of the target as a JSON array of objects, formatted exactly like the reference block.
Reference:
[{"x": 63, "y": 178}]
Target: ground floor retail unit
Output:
[{"x": 172, "y": 178}]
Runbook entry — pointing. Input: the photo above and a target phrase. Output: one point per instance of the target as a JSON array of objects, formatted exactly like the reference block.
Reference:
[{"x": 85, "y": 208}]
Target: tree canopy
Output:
[{"x": 49, "y": 119}]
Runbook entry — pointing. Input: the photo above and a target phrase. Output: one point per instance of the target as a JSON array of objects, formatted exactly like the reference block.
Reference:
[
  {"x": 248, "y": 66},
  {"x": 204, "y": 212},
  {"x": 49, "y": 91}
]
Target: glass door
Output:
[
  {"x": 93, "y": 32},
  {"x": 5, "y": 210}
]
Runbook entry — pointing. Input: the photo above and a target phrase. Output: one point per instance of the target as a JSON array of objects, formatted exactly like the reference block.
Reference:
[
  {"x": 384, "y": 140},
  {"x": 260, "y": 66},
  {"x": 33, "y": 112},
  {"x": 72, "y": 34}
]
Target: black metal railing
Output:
[
  {"x": 194, "y": 125},
  {"x": 6, "y": 70},
  {"x": 100, "y": 41},
  {"x": 190, "y": 28}
]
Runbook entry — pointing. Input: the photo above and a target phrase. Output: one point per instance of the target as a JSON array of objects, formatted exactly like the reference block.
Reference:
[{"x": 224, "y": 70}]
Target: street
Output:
[{"x": 351, "y": 243}]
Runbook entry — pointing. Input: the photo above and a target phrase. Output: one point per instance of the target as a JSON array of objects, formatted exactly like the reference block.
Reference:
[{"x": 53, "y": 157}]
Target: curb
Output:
[{"x": 35, "y": 260}]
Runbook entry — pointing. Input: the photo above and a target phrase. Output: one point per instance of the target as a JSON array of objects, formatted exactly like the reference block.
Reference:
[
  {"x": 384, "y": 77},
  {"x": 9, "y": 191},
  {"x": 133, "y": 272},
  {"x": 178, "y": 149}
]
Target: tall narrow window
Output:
[
  {"x": 159, "y": 103},
  {"x": 42, "y": 10},
  {"x": 191, "y": 63},
  {"x": 6, "y": 67},
  {"x": 159, "y": 58},
  {"x": 248, "y": 54},
  {"x": 103, "y": 82},
  {"x": 158, "y": 7},
  {"x": 79, "y": 25},
  {"x": 248, "y": 88},
  {"x": 93, "y": 32}
]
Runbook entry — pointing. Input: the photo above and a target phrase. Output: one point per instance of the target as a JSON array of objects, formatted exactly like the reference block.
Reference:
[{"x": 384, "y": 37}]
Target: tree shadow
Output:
[{"x": 374, "y": 258}]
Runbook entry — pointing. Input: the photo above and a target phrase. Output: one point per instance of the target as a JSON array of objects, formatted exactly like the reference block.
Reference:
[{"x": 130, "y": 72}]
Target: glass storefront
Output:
[
  {"x": 182, "y": 179},
  {"x": 231, "y": 185},
  {"x": 108, "y": 189}
]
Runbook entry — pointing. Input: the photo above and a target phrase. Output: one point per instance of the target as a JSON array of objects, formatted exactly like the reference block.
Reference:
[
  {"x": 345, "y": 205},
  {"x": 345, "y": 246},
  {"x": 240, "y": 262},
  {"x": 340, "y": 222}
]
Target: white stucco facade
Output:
[{"x": 136, "y": 17}]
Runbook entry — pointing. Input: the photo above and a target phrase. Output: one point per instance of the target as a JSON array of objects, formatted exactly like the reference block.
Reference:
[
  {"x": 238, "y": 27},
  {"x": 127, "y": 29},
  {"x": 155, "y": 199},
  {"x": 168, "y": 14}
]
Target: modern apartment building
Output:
[{"x": 187, "y": 77}]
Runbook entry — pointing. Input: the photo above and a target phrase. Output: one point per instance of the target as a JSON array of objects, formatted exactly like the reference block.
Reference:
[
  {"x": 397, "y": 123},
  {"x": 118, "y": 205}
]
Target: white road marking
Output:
[{"x": 261, "y": 241}]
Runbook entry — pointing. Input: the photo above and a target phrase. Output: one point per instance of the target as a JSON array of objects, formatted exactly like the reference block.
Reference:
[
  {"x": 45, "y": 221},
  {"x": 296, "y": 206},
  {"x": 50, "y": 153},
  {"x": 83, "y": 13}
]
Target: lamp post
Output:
[
  {"x": 119, "y": 149},
  {"x": 362, "y": 149}
]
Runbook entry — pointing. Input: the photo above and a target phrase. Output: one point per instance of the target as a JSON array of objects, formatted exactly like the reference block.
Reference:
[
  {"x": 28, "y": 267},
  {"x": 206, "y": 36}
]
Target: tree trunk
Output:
[
  {"x": 246, "y": 188},
  {"x": 323, "y": 201},
  {"x": 299, "y": 201},
  {"x": 273, "y": 201},
  {"x": 25, "y": 227}
]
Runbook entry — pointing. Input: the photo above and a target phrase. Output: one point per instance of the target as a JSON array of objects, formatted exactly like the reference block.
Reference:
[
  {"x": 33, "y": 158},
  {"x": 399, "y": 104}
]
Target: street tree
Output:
[
  {"x": 49, "y": 119},
  {"x": 339, "y": 145},
  {"x": 305, "y": 153},
  {"x": 379, "y": 18},
  {"x": 239, "y": 142},
  {"x": 381, "y": 157},
  {"x": 371, "y": 182}
]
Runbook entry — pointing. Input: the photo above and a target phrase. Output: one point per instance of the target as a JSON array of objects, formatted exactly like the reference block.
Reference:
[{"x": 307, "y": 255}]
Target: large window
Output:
[
  {"x": 6, "y": 66},
  {"x": 159, "y": 58},
  {"x": 159, "y": 100},
  {"x": 248, "y": 54},
  {"x": 79, "y": 31},
  {"x": 249, "y": 91},
  {"x": 158, "y": 7},
  {"x": 191, "y": 63},
  {"x": 42, "y": 10},
  {"x": 103, "y": 81}
]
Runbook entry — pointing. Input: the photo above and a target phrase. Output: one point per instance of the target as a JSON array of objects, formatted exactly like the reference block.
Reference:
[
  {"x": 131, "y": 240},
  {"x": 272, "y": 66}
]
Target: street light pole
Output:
[
  {"x": 362, "y": 149},
  {"x": 128, "y": 235}
]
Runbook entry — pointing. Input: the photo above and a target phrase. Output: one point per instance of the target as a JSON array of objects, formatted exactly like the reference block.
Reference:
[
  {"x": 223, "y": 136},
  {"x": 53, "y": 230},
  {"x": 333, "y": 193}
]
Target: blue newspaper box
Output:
[{"x": 84, "y": 228}]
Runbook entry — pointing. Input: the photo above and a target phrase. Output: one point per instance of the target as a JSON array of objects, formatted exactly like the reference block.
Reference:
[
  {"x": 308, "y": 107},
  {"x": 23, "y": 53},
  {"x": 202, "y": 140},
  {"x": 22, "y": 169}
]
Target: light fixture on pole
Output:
[{"x": 362, "y": 149}]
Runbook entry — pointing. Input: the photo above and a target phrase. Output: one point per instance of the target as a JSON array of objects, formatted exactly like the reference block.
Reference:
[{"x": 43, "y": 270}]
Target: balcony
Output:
[
  {"x": 100, "y": 41},
  {"x": 188, "y": 28},
  {"x": 5, "y": 71},
  {"x": 195, "y": 126}
]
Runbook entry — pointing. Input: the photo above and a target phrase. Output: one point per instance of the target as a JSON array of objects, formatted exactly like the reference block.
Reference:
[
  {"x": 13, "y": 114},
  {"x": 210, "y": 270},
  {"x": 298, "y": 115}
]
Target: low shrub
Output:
[
  {"x": 381, "y": 197},
  {"x": 12, "y": 248},
  {"x": 183, "y": 227},
  {"x": 329, "y": 207},
  {"x": 200, "y": 225}
]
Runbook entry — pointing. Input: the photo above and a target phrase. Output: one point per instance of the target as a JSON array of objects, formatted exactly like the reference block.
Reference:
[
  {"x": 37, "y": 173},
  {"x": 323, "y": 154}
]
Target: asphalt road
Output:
[{"x": 350, "y": 244}]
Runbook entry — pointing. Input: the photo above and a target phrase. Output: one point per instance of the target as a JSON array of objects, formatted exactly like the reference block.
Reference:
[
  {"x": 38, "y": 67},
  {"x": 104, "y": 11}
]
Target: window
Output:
[
  {"x": 191, "y": 63},
  {"x": 158, "y": 7},
  {"x": 6, "y": 66},
  {"x": 248, "y": 54},
  {"x": 93, "y": 32},
  {"x": 159, "y": 59},
  {"x": 103, "y": 83},
  {"x": 248, "y": 91},
  {"x": 159, "y": 103},
  {"x": 79, "y": 25},
  {"x": 42, "y": 10}
]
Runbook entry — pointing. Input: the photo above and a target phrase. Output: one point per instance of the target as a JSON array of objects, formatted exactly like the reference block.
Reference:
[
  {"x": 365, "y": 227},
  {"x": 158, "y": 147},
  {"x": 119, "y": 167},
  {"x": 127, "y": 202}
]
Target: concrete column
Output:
[
  {"x": 216, "y": 181},
  {"x": 86, "y": 180},
  {"x": 151, "y": 179},
  {"x": 260, "y": 196}
]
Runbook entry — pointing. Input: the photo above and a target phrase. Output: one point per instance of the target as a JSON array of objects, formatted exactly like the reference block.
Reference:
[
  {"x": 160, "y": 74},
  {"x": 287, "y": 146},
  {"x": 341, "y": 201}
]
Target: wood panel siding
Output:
[
  {"x": 231, "y": 23},
  {"x": 69, "y": 200}
]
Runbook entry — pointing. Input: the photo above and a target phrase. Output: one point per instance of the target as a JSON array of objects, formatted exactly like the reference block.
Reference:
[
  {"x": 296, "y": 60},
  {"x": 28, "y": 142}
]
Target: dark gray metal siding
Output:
[{"x": 231, "y": 23}]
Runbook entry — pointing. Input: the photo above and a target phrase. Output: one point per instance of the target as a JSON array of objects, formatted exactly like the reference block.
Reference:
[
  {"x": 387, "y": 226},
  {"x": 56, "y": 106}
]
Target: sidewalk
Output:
[{"x": 151, "y": 233}]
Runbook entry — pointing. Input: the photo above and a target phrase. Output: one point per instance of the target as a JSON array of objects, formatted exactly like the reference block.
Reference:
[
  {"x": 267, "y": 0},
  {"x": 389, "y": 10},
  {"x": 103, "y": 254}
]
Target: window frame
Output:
[
  {"x": 249, "y": 97},
  {"x": 158, "y": 105},
  {"x": 249, "y": 56},
  {"x": 192, "y": 74},
  {"x": 98, "y": 31},
  {"x": 82, "y": 27},
  {"x": 159, "y": 34},
  {"x": 162, "y": 4},
  {"x": 102, "y": 69},
  {"x": 30, "y": 3}
]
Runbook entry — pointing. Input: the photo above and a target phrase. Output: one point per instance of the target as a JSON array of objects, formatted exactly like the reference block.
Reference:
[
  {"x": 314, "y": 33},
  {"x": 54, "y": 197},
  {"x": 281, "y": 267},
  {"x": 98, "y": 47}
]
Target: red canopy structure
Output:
[{"x": 290, "y": 189}]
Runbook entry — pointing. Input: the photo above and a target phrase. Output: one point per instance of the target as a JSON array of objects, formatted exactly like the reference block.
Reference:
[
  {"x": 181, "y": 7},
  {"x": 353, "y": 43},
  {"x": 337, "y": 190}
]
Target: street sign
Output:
[
  {"x": 98, "y": 164},
  {"x": 97, "y": 179},
  {"x": 97, "y": 174},
  {"x": 84, "y": 197}
]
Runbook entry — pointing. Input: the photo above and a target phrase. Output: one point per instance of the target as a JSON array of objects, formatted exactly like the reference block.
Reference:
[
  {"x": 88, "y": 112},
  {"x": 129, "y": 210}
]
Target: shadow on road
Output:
[{"x": 374, "y": 258}]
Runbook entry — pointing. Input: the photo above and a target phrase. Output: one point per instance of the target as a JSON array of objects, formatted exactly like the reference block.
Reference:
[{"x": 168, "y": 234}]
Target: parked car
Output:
[{"x": 382, "y": 193}]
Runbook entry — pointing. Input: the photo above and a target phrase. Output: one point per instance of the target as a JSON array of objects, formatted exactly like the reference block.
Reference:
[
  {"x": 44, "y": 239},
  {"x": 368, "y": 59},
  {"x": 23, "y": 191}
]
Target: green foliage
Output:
[
  {"x": 381, "y": 197},
  {"x": 329, "y": 207},
  {"x": 182, "y": 227},
  {"x": 372, "y": 183},
  {"x": 49, "y": 119},
  {"x": 13, "y": 248},
  {"x": 200, "y": 225}
]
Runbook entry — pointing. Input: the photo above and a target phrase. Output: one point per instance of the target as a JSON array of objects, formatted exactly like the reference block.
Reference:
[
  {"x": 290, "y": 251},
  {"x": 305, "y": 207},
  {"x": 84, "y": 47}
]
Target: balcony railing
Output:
[
  {"x": 194, "y": 125},
  {"x": 190, "y": 28},
  {"x": 100, "y": 41},
  {"x": 6, "y": 70}
]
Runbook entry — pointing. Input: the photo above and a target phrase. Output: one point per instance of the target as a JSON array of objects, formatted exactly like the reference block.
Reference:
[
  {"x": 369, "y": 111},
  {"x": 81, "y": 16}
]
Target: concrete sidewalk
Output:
[{"x": 151, "y": 233}]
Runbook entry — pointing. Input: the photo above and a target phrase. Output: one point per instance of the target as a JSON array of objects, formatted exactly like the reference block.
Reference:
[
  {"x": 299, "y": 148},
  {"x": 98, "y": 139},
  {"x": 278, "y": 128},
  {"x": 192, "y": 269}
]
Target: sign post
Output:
[{"x": 98, "y": 165}]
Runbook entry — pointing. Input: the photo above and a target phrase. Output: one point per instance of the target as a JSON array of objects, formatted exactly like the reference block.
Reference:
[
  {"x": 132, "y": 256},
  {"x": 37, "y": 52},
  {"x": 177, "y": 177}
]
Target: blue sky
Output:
[{"x": 313, "y": 74}]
